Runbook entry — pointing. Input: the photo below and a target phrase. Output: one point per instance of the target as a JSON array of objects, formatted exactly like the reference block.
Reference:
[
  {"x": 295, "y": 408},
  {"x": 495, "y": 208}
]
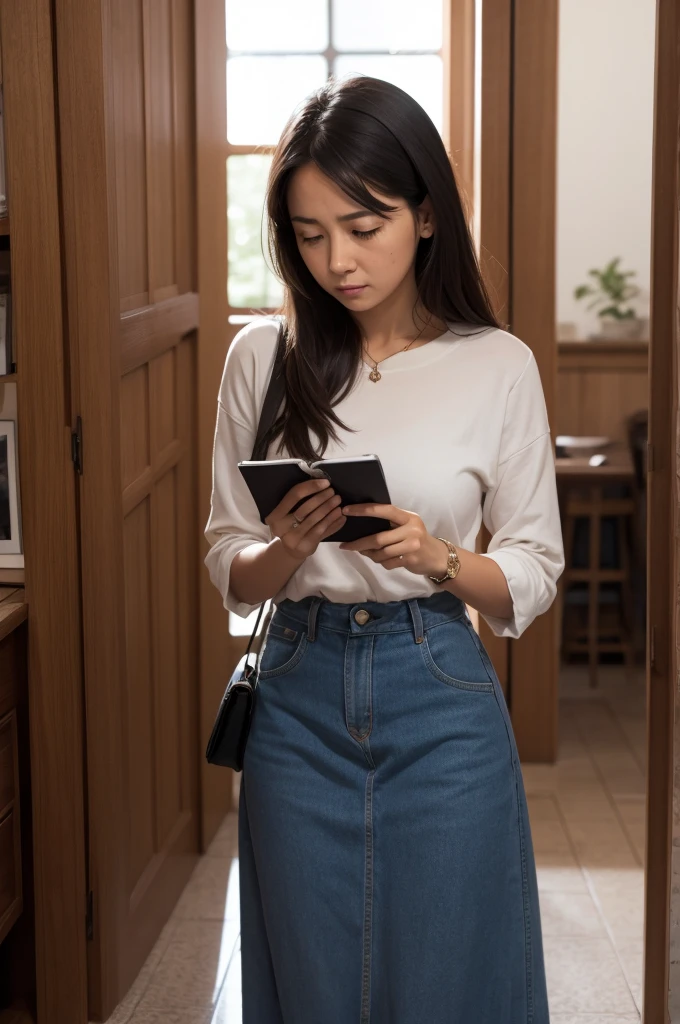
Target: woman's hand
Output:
[
  {"x": 319, "y": 517},
  {"x": 407, "y": 546}
]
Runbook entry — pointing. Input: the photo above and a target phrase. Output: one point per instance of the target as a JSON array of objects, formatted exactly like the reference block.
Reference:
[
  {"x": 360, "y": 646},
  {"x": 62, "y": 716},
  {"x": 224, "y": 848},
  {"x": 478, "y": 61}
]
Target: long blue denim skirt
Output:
[{"x": 387, "y": 873}]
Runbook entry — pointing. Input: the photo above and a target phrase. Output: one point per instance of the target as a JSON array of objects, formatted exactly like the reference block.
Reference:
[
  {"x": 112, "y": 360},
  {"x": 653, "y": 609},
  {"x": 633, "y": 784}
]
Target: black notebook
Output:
[{"x": 357, "y": 479}]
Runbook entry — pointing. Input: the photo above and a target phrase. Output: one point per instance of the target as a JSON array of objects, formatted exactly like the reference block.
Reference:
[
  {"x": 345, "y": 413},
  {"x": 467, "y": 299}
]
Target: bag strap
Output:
[{"x": 276, "y": 390}]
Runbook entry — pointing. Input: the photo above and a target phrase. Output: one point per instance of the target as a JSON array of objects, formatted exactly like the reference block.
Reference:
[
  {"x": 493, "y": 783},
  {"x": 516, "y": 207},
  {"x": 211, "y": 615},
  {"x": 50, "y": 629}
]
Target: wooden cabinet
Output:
[
  {"x": 10, "y": 825},
  {"x": 17, "y": 928}
]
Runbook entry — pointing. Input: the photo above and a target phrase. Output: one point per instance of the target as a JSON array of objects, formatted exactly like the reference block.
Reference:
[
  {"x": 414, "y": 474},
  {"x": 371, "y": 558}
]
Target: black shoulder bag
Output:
[{"x": 229, "y": 735}]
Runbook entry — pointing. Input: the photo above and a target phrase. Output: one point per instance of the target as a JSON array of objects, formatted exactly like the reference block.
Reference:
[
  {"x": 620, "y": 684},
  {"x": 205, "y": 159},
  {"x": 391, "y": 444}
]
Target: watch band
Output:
[{"x": 452, "y": 563}]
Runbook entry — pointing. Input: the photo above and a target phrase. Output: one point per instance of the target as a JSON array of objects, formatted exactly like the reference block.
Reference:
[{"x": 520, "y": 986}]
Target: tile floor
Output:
[{"x": 587, "y": 817}]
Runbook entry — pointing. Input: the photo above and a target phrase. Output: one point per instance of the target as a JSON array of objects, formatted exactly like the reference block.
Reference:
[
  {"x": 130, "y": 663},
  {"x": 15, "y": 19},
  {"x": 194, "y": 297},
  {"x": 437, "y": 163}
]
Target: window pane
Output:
[
  {"x": 387, "y": 25},
  {"x": 262, "y": 93},
  {"x": 251, "y": 282},
  {"x": 266, "y": 25},
  {"x": 420, "y": 77}
]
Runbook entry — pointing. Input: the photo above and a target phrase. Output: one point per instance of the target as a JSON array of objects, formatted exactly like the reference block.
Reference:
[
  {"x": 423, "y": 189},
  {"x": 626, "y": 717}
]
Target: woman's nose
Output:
[{"x": 340, "y": 258}]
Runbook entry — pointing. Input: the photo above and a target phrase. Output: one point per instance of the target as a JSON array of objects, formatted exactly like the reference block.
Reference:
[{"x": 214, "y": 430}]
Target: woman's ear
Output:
[{"x": 425, "y": 215}]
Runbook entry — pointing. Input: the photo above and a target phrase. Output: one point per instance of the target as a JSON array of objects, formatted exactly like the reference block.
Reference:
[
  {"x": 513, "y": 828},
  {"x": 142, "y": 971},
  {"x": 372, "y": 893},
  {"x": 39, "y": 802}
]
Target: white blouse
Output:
[{"x": 461, "y": 428}]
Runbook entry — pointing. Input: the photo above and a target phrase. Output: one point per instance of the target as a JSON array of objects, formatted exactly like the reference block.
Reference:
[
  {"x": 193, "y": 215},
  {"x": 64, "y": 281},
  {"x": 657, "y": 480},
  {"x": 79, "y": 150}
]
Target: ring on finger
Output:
[{"x": 297, "y": 521}]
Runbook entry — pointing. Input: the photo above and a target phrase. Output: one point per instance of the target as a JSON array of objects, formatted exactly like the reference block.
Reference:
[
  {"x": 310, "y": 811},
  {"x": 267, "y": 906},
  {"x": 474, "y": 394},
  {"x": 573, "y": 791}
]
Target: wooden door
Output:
[
  {"x": 126, "y": 120},
  {"x": 518, "y": 101}
]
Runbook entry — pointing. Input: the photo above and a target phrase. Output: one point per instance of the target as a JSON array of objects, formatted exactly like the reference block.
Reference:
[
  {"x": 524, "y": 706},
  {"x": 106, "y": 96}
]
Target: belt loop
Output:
[
  {"x": 414, "y": 608},
  {"x": 311, "y": 620}
]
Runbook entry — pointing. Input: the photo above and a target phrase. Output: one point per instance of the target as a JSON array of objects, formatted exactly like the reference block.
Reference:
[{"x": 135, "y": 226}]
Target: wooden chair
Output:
[{"x": 597, "y": 636}]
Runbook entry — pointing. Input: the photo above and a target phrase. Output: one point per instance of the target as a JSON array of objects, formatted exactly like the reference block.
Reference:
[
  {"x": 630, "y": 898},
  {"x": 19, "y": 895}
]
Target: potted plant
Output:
[{"x": 612, "y": 292}]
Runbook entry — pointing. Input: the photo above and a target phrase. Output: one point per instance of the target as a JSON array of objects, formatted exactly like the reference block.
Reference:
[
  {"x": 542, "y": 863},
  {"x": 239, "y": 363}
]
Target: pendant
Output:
[{"x": 375, "y": 375}]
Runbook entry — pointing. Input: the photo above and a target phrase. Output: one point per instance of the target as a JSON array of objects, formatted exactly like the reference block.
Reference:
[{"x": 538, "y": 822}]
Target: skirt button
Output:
[{"x": 362, "y": 616}]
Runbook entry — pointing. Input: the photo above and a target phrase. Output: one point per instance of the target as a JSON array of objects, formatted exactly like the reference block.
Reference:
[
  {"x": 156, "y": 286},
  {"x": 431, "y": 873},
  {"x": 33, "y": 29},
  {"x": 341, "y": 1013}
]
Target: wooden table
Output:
[{"x": 576, "y": 471}]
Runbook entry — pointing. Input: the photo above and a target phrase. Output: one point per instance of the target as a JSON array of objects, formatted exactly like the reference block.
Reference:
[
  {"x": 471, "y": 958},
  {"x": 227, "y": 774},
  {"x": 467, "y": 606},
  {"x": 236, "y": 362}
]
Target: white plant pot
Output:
[{"x": 620, "y": 330}]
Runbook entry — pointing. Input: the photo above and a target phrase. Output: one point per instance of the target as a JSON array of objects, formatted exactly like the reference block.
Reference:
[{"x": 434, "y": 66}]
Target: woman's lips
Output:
[{"x": 351, "y": 290}]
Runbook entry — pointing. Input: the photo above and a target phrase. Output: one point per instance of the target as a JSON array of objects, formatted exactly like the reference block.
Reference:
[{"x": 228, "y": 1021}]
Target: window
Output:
[{"x": 279, "y": 53}]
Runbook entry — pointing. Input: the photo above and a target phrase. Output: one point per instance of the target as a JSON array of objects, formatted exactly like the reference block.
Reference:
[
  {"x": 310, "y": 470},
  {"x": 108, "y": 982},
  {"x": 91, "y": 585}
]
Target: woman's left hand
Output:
[{"x": 420, "y": 552}]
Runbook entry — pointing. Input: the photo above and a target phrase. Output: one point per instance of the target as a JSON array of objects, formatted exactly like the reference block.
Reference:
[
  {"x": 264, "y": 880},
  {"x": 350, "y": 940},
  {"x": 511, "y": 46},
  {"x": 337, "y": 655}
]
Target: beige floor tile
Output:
[
  {"x": 584, "y": 976},
  {"x": 542, "y": 807},
  {"x": 187, "y": 1015},
  {"x": 631, "y": 954},
  {"x": 193, "y": 967},
  {"x": 225, "y": 843},
  {"x": 621, "y": 901},
  {"x": 602, "y": 844},
  {"x": 212, "y": 892},
  {"x": 557, "y": 872},
  {"x": 633, "y": 814},
  {"x": 591, "y": 1018},
  {"x": 539, "y": 778},
  {"x": 570, "y": 914},
  {"x": 124, "y": 1011},
  {"x": 228, "y": 1009},
  {"x": 548, "y": 836}
]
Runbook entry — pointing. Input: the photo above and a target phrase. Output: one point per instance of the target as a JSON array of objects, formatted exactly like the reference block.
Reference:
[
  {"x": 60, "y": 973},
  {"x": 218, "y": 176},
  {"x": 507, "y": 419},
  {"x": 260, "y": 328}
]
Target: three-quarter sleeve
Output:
[
  {"x": 234, "y": 523},
  {"x": 521, "y": 509}
]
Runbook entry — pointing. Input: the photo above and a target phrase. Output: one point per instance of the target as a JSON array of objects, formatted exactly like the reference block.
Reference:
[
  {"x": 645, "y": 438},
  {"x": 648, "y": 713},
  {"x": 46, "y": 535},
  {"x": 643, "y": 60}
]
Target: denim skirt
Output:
[{"x": 386, "y": 866}]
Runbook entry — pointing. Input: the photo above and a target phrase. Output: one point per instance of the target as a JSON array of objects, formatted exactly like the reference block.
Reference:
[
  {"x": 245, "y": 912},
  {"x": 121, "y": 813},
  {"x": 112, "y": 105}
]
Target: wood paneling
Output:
[
  {"x": 599, "y": 384},
  {"x": 217, "y": 650},
  {"x": 151, "y": 330},
  {"x": 49, "y": 517},
  {"x": 130, "y": 129},
  {"x": 534, "y": 657},
  {"x": 663, "y": 516}
]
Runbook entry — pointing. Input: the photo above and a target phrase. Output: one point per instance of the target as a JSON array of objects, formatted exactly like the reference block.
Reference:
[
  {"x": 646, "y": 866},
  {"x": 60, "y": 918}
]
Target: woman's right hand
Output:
[{"x": 319, "y": 517}]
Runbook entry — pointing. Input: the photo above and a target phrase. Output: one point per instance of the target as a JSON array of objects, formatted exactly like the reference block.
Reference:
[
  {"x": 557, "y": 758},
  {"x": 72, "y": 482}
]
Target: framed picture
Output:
[{"x": 11, "y": 549}]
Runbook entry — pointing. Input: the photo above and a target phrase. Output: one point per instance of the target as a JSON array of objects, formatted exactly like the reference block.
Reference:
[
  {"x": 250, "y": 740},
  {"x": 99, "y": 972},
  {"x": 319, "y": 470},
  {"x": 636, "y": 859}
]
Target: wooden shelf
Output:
[
  {"x": 4, "y": 225},
  {"x": 13, "y": 609},
  {"x": 8, "y": 378}
]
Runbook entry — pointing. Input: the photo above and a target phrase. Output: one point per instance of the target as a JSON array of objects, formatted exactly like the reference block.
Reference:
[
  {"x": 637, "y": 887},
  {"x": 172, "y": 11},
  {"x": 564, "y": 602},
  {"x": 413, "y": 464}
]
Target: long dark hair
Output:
[{"x": 361, "y": 133}]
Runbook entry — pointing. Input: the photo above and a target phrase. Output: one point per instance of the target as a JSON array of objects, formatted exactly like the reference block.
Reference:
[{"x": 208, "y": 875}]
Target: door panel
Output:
[{"x": 127, "y": 120}]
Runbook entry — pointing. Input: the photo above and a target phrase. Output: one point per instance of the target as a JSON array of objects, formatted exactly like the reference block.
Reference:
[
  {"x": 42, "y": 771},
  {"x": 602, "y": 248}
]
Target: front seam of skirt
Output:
[
  {"x": 368, "y": 903},
  {"x": 527, "y": 911}
]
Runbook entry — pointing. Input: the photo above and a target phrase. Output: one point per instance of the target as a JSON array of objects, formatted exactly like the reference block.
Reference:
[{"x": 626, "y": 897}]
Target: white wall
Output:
[{"x": 604, "y": 155}]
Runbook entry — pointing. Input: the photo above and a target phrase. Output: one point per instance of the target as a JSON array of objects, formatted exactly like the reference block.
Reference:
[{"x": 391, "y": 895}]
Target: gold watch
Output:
[{"x": 452, "y": 565}]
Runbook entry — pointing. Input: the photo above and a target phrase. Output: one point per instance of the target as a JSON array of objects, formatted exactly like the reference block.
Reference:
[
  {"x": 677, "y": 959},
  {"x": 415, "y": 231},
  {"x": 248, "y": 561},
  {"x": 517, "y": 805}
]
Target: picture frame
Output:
[{"x": 11, "y": 543}]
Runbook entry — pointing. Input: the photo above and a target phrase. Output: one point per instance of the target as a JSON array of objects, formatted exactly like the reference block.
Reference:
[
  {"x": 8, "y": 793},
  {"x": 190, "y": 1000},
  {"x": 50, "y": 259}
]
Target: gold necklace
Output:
[{"x": 375, "y": 375}]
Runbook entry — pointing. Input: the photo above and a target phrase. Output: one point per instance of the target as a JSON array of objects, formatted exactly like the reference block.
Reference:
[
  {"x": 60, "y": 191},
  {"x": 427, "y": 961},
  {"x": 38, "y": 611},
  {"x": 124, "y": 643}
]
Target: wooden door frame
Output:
[
  {"x": 517, "y": 252},
  {"x": 214, "y": 336},
  {"x": 49, "y": 513},
  {"x": 528, "y": 66},
  {"x": 663, "y": 604}
]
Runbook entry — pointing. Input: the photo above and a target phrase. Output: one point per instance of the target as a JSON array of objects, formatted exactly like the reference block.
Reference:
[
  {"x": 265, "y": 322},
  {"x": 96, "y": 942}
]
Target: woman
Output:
[{"x": 386, "y": 865}]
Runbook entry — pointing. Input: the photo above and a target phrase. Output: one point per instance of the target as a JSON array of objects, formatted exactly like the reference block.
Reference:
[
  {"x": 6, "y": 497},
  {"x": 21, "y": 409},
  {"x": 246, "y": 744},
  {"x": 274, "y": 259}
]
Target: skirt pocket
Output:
[
  {"x": 284, "y": 648},
  {"x": 451, "y": 655}
]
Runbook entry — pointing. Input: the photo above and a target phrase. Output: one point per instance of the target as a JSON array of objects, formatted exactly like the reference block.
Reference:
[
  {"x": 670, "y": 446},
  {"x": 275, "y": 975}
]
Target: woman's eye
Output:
[
  {"x": 367, "y": 234},
  {"x": 311, "y": 240}
]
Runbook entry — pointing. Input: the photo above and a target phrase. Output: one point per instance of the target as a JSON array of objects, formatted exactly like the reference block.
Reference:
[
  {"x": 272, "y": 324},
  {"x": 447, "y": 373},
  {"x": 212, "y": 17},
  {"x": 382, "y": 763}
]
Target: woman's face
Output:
[{"x": 359, "y": 258}]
